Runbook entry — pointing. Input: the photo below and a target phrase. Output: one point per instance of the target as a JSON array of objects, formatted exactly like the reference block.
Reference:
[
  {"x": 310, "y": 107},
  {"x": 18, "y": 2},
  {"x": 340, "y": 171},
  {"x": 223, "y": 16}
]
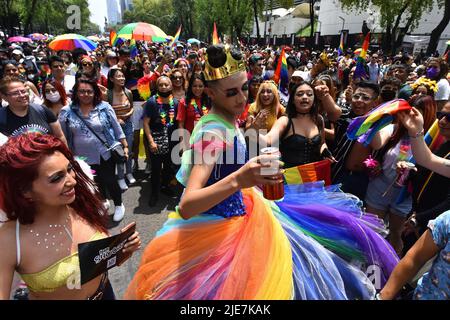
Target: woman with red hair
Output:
[{"x": 52, "y": 206}]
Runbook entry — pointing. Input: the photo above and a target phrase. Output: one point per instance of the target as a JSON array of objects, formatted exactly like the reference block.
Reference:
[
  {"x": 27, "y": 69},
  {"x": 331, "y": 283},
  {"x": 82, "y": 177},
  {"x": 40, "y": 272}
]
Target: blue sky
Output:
[{"x": 98, "y": 12}]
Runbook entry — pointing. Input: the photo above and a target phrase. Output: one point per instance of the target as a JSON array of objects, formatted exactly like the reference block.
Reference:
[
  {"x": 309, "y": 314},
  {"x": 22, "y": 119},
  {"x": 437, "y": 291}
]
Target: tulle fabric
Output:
[{"x": 292, "y": 249}]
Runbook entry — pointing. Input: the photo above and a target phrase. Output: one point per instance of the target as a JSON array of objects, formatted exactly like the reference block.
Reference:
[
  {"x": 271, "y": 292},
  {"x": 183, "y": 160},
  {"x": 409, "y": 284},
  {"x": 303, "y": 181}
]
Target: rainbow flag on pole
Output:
[
  {"x": 112, "y": 38},
  {"x": 341, "y": 46},
  {"x": 281, "y": 76},
  {"x": 176, "y": 37},
  {"x": 433, "y": 139},
  {"x": 133, "y": 49},
  {"x": 360, "y": 71},
  {"x": 215, "y": 37}
]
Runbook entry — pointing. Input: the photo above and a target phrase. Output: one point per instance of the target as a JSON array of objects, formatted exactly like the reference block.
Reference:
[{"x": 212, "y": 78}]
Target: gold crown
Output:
[{"x": 230, "y": 67}]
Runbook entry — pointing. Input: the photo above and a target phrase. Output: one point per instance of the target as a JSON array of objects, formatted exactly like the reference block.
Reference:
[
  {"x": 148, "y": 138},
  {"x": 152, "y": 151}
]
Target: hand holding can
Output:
[{"x": 272, "y": 191}]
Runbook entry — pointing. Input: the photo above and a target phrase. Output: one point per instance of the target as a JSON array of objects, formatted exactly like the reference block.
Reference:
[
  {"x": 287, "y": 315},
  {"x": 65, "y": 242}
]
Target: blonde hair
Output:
[{"x": 276, "y": 99}]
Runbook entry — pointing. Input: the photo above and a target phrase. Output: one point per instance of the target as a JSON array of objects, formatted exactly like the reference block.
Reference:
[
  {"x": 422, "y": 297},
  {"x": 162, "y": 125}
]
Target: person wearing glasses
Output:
[
  {"x": 20, "y": 116},
  {"x": 88, "y": 112},
  {"x": 349, "y": 169},
  {"x": 178, "y": 82}
]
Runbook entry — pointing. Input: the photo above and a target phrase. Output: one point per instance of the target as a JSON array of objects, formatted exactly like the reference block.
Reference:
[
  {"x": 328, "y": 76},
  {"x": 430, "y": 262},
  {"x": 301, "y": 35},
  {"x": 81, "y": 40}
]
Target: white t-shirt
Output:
[{"x": 443, "y": 92}]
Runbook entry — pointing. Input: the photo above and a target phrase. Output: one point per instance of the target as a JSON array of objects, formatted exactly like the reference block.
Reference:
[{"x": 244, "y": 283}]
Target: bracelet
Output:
[
  {"x": 418, "y": 134},
  {"x": 378, "y": 296}
]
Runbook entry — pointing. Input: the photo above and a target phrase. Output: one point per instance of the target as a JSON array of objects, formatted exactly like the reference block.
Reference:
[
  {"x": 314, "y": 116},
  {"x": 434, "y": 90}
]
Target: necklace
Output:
[
  {"x": 50, "y": 240},
  {"x": 199, "y": 114},
  {"x": 162, "y": 112}
]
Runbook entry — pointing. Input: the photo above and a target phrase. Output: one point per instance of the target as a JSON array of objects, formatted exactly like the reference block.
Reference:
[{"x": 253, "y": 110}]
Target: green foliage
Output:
[{"x": 44, "y": 16}]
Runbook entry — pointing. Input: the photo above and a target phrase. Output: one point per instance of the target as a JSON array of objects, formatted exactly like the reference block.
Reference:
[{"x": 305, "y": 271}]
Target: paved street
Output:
[{"x": 148, "y": 221}]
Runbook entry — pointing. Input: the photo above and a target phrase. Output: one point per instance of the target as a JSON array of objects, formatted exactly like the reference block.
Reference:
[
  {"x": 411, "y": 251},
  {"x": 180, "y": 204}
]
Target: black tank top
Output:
[{"x": 297, "y": 150}]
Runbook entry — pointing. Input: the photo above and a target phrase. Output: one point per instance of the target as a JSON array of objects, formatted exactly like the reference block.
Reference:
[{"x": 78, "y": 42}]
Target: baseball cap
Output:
[{"x": 297, "y": 73}]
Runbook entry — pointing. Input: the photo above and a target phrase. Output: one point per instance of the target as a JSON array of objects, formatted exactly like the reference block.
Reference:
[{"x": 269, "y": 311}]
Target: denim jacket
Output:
[{"x": 81, "y": 141}]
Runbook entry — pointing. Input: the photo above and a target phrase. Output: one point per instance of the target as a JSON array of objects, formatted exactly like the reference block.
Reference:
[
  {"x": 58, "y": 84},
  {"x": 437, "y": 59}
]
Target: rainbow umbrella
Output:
[
  {"x": 37, "y": 36},
  {"x": 94, "y": 38},
  {"x": 18, "y": 39},
  {"x": 141, "y": 31},
  {"x": 72, "y": 41}
]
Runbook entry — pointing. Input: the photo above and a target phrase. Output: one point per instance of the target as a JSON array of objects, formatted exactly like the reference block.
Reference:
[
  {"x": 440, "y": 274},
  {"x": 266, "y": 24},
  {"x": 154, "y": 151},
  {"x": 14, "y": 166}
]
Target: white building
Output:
[
  {"x": 332, "y": 19},
  {"x": 114, "y": 12}
]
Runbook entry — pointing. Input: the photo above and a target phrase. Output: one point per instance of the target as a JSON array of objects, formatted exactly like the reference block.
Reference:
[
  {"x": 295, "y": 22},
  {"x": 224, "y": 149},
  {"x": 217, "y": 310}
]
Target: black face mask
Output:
[
  {"x": 388, "y": 95},
  {"x": 164, "y": 94}
]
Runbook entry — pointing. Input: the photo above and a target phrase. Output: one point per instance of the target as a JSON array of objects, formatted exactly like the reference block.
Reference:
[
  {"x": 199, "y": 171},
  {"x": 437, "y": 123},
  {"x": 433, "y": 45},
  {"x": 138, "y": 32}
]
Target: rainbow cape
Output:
[
  {"x": 281, "y": 76},
  {"x": 360, "y": 71},
  {"x": 365, "y": 127},
  {"x": 215, "y": 37}
]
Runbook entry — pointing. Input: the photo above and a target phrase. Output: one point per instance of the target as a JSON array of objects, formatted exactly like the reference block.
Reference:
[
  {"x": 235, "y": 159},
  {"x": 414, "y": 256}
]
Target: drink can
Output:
[
  {"x": 272, "y": 191},
  {"x": 403, "y": 176}
]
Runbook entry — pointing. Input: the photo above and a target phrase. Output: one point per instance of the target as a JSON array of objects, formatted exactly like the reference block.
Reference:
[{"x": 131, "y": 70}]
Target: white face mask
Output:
[{"x": 54, "y": 97}]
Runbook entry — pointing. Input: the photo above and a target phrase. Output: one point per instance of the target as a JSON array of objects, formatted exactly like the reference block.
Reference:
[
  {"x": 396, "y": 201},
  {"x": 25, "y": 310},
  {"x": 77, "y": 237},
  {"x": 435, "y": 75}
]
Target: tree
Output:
[
  {"x": 392, "y": 14},
  {"x": 436, "y": 33}
]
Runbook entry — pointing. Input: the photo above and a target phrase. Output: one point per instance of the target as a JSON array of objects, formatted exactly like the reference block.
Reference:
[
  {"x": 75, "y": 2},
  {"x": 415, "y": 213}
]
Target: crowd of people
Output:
[{"x": 62, "y": 111}]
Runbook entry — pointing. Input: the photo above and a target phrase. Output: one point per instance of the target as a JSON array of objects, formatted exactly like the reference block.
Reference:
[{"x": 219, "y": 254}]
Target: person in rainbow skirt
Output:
[{"x": 225, "y": 241}]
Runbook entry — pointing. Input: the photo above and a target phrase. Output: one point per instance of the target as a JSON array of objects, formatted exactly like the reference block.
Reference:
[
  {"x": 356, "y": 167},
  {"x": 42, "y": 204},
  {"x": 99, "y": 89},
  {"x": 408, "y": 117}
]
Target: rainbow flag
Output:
[
  {"x": 176, "y": 37},
  {"x": 112, "y": 38},
  {"x": 311, "y": 172},
  {"x": 133, "y": 49},
  {"x": 215, "y": 37},
  {"x": 433, "y": 139},
  {"x": 281, "y": 76},
  {"x": 365, "y": 127},
  {"x": 341, "y": 46},
  {"x": 360, "y": 71}
]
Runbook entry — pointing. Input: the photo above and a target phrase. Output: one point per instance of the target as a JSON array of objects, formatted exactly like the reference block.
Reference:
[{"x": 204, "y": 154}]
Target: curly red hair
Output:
[{"x": 20, "y": 158}]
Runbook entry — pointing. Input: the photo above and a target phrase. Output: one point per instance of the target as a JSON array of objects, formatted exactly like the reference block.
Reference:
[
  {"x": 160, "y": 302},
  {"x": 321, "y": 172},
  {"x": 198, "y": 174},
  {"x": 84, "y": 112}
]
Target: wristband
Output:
[
  {"x": 418, "y": 134},
  {"x": 378, "y": 296}
]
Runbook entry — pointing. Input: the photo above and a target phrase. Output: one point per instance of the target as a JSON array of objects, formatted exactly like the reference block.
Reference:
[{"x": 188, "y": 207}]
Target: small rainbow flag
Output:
[
  {"x": 360, "y": 71},
  {"x": 311, "y": 172},
  {"x": 176, "y": 37},
  {"x": 133, "y": 49},
  {"x": 433, "y": 139},
  {"x": 215, "y": 37},
  {"x": 281, "y": 76},
  {"x": 341, "y": 46},
  {"x": 365, "y": 127},
  {"x": 112, "y": 37}
]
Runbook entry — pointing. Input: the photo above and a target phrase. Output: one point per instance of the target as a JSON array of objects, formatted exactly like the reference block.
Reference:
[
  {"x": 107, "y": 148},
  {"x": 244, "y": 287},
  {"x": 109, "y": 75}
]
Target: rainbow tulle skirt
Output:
[{"x": 314, "y": 244}]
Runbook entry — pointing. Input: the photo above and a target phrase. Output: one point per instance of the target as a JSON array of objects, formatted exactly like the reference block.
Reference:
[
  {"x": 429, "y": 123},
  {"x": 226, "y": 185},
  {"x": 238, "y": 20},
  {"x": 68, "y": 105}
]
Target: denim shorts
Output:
[{"x": 388, "y": 203}]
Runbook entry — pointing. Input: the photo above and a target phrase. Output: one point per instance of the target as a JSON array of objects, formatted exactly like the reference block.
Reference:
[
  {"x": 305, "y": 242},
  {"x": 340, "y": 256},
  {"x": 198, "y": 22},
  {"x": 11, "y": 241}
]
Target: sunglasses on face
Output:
[
  {"x": 440, "y": 115},
  {"x": 87, "y": 64}
]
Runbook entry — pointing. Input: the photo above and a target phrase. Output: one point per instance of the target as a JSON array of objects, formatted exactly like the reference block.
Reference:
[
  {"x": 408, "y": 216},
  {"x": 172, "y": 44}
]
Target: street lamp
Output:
[{"x": 343, "y": 22}]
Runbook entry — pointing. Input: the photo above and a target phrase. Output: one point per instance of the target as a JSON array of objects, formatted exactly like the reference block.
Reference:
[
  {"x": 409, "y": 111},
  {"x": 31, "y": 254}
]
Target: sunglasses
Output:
[
  {"x": 440, "y": 115},
  {"x": 87, "y": 64}
]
